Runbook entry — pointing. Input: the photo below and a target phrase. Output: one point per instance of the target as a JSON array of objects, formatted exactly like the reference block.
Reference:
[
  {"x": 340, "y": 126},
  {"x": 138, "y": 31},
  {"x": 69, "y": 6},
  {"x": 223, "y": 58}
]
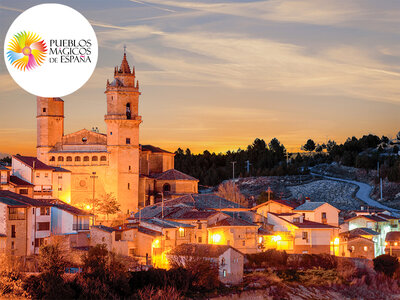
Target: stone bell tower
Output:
[
  {"x": 123, "y": 122},
  {"x": 50, "y": 125}
]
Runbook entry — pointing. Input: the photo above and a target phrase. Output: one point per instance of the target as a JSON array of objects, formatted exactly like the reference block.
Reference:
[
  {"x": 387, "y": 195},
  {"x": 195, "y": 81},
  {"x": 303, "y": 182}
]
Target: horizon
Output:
[{"x": 213, "y": 74}]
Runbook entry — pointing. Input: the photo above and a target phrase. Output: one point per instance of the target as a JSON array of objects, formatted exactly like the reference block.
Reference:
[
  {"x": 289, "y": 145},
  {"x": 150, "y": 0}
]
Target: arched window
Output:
[
  {"x": 95, "y": 158},
  {"x": 52, "y": 158},
  {"x": 166, "y": 187},
  {"x": 103, "y": 158},
  {"x": 69, "y": 158},
  {"x": 86, "y": 158},
  {"x": 128, "y": 111},
  {"x": 77, "y": 158},
  {"x": 60, "y": 158}
]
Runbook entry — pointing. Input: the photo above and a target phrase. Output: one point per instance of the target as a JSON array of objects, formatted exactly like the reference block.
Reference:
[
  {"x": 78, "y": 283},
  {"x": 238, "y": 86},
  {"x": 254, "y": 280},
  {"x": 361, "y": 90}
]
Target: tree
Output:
[
  {"x": 309, "y": 146},
  {"x": 230, "y": 191},
  {"x": 104, "y": 275},
  {"x": 202, "y": 271},
  {"x": 108, "y": 205},
  {"x": 386, "y": 264}
]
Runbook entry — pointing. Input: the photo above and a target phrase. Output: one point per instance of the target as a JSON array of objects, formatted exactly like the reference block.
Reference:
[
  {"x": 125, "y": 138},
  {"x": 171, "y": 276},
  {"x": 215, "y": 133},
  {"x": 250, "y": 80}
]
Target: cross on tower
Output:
[{"x": 124, "y": 49}]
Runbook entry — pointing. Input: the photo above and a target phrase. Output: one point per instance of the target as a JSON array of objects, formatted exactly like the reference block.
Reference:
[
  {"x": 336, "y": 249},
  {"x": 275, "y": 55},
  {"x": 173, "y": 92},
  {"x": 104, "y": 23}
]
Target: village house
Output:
[
  {"x": 275, "y": 206},
  {"x": 48, "y": 182},
  {"x": 25, "y": 222},
  {"x": 392, "y": 243},
  {"x": 228, "y": 259},
  {"x": 359, "y": 242},
  {"x": 14, "y": 184},
  {"x": 380, "y": 223}
]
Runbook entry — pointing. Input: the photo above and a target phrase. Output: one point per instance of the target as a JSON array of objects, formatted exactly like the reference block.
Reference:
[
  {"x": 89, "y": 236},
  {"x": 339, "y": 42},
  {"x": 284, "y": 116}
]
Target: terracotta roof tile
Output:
[
  {"x": 232, "y": 222},
  {"x": 173, "y": 174},
  {"x": 24, "y": 199},
  {"x": 33, "y": 162},
  {"x": 202, "y": 250},
  {"x": 154, "y": 149},
  {"x": 18, "y": 181}
]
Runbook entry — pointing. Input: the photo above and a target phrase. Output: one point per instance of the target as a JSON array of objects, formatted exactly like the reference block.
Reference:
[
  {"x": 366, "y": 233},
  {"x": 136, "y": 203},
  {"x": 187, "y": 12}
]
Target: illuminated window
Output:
[
  {"x": 365, "y": 248},
  {"x": 181, "y": 232},
  {"x": 224, "y": 273}
]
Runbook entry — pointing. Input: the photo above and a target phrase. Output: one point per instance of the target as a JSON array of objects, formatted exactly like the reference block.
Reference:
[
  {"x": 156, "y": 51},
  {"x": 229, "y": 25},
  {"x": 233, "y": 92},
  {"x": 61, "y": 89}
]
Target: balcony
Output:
[
  {"x": 80, "y": 227},
  {"x": 43, "y": 193}
]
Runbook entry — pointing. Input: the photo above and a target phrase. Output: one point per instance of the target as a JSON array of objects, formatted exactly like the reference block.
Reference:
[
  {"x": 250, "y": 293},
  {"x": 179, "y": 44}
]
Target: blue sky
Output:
[{"x": 217, "y": 74}]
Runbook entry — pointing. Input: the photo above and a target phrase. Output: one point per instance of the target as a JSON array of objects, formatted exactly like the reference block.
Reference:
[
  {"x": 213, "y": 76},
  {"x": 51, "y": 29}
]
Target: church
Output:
[{"x": 112, "y": 162}]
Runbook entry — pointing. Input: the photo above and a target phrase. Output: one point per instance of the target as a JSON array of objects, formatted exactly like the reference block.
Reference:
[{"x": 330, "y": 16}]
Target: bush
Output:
[
  {"x": 386, "y": 264},
  {"x": 269, "y": 259},
  {"x": 319, "y": 276},
  {"x": 168, "y": 293},
  {"x": 11, "y": 279},
  {"x": 310, "y": 261}
]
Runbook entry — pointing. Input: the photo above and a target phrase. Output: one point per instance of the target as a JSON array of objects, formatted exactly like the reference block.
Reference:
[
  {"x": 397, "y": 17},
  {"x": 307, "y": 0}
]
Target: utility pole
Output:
[
  {"x": 233, "y": 169},
  {"x": 162, "y": 205},
  {"x": 93, "y": 176}
]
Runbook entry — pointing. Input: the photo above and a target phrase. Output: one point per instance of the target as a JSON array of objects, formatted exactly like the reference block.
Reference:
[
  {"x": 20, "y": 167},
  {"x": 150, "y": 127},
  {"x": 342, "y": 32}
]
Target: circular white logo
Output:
[{"x": 50, "y": 50}]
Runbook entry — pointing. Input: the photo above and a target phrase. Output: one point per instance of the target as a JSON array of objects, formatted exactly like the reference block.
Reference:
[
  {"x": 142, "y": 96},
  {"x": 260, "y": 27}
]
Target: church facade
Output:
[{"x": 112, "y": 162}]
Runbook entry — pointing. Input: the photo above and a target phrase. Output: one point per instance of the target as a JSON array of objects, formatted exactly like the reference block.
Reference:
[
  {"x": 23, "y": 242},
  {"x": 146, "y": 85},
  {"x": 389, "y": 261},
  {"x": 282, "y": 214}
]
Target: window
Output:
[
  {"x": 103, "y": 239},
  {"x": 60, "y": 158},
  {"x": 13, "y": 233},
  {"x": 103, "y": 158},
  {"x": 16, "y": 213},
  {"x": 117, "y": 236},
  {"x": 305, "y": 235},
  {"x": 77, "y": 158},
  {"x": 84, "y": 139},
  {"x": 46, "y": 175},
  {"x": 129, "y": 186},
  {"x": 45, "y": 211},
  {"x": 181, "y": 232},
  {"x": 59, "y": 176},
  {"x": 199, "y": 226},
  {"x": 37, "y": 175},
  {"x": 129, "y": 168},
  {"x": 43, "y": 226},
  {"x": 132, "y": 251},
  {"x": 110, "y": 132},
  {"x": 244, "y": 243},
  {"x": 128, "y": 111},
  {"x": 69, "y": 158},
  {"x": 224, "y": 273},
  {"x": 323, "y": 217},
  {"x": 23, "y": 191},
  {"x": 12, "y": 245},
  {"x": 200, "y": 239},
  {"x": 223, "y": 261},
  {"x": 166, "y": 187},
  {"x": 39, "y": 242},
  {"x": 167, "y": 235},
  {"x": 60, "y": 188},
  {"x": 95, "y": 158},
  {"x": 86, "y": 158},
  {"x": 365, "y": 248},
  {"x": 128, "y": 141},
  {"x": 52, "y": 158},
  {"x": 44, "y": 109}
]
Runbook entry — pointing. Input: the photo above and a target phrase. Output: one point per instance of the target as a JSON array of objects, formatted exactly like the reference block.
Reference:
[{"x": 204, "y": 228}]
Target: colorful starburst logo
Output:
[{"x": 26, "y": 51}]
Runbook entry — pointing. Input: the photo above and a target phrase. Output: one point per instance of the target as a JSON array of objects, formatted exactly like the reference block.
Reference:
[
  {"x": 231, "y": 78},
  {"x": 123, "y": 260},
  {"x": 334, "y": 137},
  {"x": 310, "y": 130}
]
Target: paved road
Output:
[{"x": 363, "y": 192}]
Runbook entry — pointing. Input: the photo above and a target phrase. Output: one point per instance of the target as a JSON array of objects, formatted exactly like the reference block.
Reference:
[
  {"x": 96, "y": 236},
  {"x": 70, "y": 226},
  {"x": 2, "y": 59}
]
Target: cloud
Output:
[{"x": 11, "y": 8}]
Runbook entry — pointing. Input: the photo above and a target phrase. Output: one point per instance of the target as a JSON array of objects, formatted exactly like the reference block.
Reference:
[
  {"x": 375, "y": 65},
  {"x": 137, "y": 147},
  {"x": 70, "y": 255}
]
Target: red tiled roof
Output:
[
  {"x": 288, "y": 203},
  {"x": 393, "y": 236},
  {"x": 202, "y": 250},
  {"x": 385, "y": 216},
  {"x": 232, "y": 222},
  {"x": 33, "y": 162},
  {"x": 18, "y": 181},
  {"x": 311, "y": 224},
  {"x": 23, "y": 199},
  {"x": 154, "y": 149},
  {"x": 173, "y": 174},
  {"x": 67, "y": 207}
]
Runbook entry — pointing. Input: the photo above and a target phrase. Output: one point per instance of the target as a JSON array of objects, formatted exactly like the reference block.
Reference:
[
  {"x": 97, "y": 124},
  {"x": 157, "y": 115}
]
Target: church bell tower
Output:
[{"x": 123, "y": 120}]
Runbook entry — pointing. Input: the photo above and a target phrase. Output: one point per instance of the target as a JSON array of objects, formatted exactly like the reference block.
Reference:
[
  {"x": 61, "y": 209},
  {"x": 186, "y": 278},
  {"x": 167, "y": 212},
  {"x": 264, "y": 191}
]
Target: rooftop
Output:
[
  {"x": 173, "y": 174},
  {"x": 33, "y": 162},
  {"x": 232, "y": 222},
  {"x": 311, "y": 224},
  {"x": 309, "y": 206},
  {"x": 12, "y": 202},
  {"x": 18, "y": 181},
  {"x": 393, "y": 236},
  {"x": 104, "y": 228},
  {"x": 24, "y": 199},
  {"x": 154, "y": 149},
  {"x": 201, "y": 250},
  {"x": 166, "y": 223}
]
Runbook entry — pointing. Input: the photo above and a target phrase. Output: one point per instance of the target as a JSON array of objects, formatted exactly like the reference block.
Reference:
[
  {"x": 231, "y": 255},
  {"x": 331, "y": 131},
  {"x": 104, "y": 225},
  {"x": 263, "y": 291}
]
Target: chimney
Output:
[{"x": 308, "y": 199}]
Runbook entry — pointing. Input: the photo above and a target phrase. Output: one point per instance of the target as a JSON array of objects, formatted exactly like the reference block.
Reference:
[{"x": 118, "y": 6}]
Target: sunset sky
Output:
[{"x": 217, "y": 74}]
